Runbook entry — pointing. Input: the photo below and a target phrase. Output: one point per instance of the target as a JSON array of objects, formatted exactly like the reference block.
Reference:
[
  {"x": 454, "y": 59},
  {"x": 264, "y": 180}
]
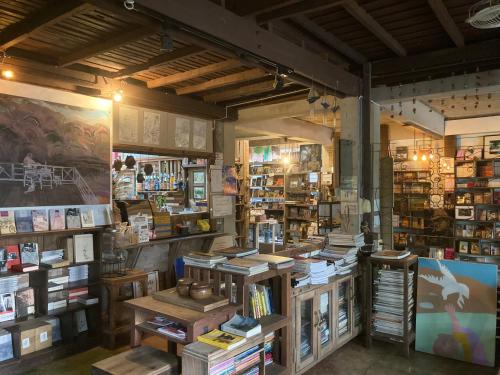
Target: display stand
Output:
[
  {"x": 112, "y": 324},
  {"x": 410, "y": 262},
  {"x": 280, "y": 281}
]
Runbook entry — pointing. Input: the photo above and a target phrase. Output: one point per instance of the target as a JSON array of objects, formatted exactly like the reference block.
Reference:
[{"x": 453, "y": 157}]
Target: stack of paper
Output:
[
  {"x": 203, "y": 260},
  {"x": 318, "y": 270},
  {"x": 388, "y": 302},
  {"x": 244, "y": 266},
  {"x": 274, "y": 261}
]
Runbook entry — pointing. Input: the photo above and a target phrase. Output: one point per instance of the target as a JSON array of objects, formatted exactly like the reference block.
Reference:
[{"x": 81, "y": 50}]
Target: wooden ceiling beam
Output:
[
  {"x": 447, "y": 22},
  {"x": 254, "y": 43},
  {"x": 329, "y": 39},
  {"x": 111, "y": 43},
  {"x": 295, "y": 9},
  {"x": 162, "y": 59},
  {"x": 194, "y": 73},
  {"x": 49, "y": 15},
  {"x": 371, "y": 24},
  {"x": 248, "y": 90},
  {"x": 230, "y": 79}
]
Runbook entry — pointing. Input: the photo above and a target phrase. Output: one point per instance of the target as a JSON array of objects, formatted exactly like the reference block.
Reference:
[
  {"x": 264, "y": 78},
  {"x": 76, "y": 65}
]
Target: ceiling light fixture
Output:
[
  {"x": 6, "y": 73},
  {"x": 118, "y": 96},
  {"x": 279, "y": 82}
]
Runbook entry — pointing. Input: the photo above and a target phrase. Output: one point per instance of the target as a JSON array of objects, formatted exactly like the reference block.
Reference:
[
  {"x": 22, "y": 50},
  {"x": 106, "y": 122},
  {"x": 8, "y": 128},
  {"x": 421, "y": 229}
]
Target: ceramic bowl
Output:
[
  {"x": 183, "y": 286},
  {"x": 200, "y": 290}
]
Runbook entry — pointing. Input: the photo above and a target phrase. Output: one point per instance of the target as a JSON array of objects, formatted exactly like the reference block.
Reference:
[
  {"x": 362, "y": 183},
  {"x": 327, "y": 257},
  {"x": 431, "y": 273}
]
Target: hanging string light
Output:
[
  {"x": 415, "y": 156},
  {"x": 6, "y": 73}
]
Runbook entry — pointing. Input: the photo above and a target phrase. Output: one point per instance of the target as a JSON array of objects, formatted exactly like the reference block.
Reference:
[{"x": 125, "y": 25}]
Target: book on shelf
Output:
[
  {"x": 75, "y": 293},
  {"x": 235, "y": 252},
  {"x": 10, "y": 254},
  {"x": 223, "y": 340},
  {"x": 24, "y": 221},
  {"x": 244, "y": 266},
  {"x": 87, "y": 300},
  {"x": 7, "y": 222},
  {"x": 77, "y": 273},
  {"x": 6, "y": 347},
  {"x": 87, "y": 217},
  {"x": 29, "y": 258},
  {"x": 57, "y": 219},
  {"x": 81, "y": 321},
  {"x": 243, "y": 326},
  {"x": 73, "y": 220},
  {"x": 54, "y": 259},
  {"x": 83, "y": 247},
  {"x": 25, "y": 302},
  {"x": 168, "y": 327},
  {"x": 260, "y": 301},
  {"x": 391, "y": 254},
  {"x": 40, "y": 220},
  {"x": 204, "y": 260},
  {"x": 274, "y": 261},
  {"x": 7, "y": 306}
]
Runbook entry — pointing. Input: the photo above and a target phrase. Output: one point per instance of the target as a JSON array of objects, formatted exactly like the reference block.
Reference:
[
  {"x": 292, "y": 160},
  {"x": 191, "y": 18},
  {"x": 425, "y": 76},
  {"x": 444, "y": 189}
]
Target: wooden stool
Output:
[
  {"x": 143, "y": 360},
  {"x": 113, "y": 285}
]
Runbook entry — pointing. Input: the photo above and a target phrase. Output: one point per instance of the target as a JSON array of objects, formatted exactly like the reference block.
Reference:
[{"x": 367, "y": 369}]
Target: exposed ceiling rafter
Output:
[
  {"x": 194, "y": 73},
  {"x": 447, "y": 22},
  {"x": 49, "y": 15},
  {"x": 114, "y": 42},
  {"x": 162, "y": 59},
  {"x": 230, "y": 79},
  {"x": 371, "y": 24}
]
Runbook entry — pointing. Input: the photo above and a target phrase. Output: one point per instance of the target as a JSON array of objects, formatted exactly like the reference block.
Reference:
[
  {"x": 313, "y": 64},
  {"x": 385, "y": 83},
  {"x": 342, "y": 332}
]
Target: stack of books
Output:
[
  {"x": 268, "y": 348},
  {"x": 203, "y": 260},
  {"x": 244, "y": 266},
  {"x": 343, "y": 310},
  {"x": 222, "y": 340},
  {"x": 343, "y": 250},
  {"x": 342, "y": 239},
  {"x": 168, "y": 327},
  {"x": 275, "y": 262},
  {"x": 244, "y": 326},
  {"x": 247, "y": 360},
  {"x": 300, "y": 279},
  {"x": 388, "y": 302},
  {"x": 318, "y": 270},
  {"x": 8, "y": 287},
  {"x": 53, "y": 259},
  {"x": 260, "y": 300},
  {"x": 235, "y": 252},
  {"x": 78, "y": 273}
]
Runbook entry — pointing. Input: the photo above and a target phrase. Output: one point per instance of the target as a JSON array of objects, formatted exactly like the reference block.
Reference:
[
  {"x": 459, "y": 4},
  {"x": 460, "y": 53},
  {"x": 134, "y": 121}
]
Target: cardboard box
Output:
[
  {"x": 23, "y": 338},
  {"x": 43, "y": 335}
]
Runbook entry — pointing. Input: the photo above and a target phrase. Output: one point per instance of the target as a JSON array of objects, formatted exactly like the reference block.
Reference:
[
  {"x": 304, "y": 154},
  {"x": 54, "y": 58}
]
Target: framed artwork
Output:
[
  {"x": 199, "y": 178},
  {"x": 310, "y": 157},
  {"x": 464, "y": 212},
  {"x": 52, "y": 151},
  {"x": 401, "y": 153},
  {"x": 230, "y": 178},
  {"x": 491, "y": 146},
  {"x": 199, "y": 192},
  {"x": 456, "y": 310}
]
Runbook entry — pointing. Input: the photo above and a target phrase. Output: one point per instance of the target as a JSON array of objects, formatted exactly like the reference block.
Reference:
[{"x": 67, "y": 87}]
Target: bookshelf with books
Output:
[
  {"x": 34, "y": 255},
  {"x": 477, "y": 210},
  {"x": 302, "y": 196}
]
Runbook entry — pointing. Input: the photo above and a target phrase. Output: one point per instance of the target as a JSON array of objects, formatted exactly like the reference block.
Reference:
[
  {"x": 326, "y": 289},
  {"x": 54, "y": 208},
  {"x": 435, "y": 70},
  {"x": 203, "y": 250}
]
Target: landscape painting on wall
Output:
[
  {"x": 53, "y": 154},
  {"x": 456, "y": 310}
]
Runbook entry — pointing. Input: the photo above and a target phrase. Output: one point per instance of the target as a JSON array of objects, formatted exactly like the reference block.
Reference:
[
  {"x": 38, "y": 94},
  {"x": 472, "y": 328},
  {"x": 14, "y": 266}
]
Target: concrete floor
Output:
[
  {"x": 352, "y": 359},
  {"x": 384, "y": 359}
]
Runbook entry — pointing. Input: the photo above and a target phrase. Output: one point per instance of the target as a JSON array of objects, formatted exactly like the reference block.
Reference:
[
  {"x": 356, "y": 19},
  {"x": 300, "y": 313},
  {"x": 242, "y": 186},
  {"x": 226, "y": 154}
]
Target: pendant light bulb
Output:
[
  {"x": 7, "y": 74},
  {"x": 424, "y": 158},
  {"x": 118, "y": 95},
  {"x": 415, "y": 156},
  {"x": 286, "y": 160},
  {"x": 431, "y": 155}
]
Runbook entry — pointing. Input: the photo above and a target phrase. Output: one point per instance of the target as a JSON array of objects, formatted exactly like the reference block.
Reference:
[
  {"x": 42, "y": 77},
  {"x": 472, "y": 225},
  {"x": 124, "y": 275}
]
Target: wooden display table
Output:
[
  {"x": 112, "y": 325},
  {"x": 410, "y": 262},
  {"x": 197, "y": 323},
  {"x": 144, "y": 360}
]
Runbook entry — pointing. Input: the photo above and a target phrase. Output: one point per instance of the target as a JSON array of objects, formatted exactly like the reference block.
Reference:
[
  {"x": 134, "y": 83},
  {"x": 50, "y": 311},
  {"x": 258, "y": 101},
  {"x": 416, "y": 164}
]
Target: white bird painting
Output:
[{"x": 449, "y": 284}]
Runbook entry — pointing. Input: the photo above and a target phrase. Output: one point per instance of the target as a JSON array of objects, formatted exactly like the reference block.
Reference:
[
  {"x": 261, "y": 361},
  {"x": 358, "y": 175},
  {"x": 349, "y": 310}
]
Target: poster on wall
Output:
[
  {"x": 53, "y": 154},
  {"x": 492, "y": 146},
  {"x": 310, "y": 157},
  {"x": 182, "y": 132},
  {"x": 128, "y": 125},
  {"x": 151, "y": 133},
  {"x": 200, "y": 135},
  {"x": 230, "y": 178},
  {"x": 456, "y": 310}
]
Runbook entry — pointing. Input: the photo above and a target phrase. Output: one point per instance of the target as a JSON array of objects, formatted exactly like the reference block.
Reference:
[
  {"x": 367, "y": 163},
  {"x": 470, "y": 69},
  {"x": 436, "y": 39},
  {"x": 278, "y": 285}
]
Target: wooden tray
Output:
[{"x": 171, "y": 296}]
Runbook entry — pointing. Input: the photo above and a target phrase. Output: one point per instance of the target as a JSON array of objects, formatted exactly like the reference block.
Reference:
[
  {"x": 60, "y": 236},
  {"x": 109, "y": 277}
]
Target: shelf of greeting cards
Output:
[
  {"x": 58, "y": 231},
  {"x": 467, "y": 255}
]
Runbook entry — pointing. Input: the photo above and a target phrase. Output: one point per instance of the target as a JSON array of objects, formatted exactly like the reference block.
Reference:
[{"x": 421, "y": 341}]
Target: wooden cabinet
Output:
[{"x": 325, "y": 317}]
